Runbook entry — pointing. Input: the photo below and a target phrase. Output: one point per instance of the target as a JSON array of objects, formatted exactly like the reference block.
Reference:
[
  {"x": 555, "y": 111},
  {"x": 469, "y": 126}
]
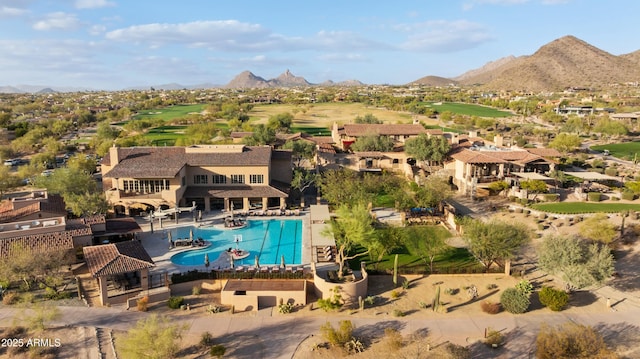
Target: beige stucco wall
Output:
[
  {"x": 228, "y": 171},
  {"x": 350, "y": 291}
]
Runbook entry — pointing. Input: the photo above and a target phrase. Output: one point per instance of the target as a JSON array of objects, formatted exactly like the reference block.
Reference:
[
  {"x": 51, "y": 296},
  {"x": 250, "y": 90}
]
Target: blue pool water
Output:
[{"x": 269, "y": 239}]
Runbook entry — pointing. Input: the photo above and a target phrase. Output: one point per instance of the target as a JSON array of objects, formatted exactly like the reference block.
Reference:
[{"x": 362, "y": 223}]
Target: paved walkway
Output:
[{"x": 278, "y": 336}]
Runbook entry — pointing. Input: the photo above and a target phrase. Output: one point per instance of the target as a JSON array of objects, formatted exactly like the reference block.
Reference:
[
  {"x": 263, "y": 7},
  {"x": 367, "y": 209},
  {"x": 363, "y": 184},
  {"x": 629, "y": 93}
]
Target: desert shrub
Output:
[
  {"x": 406, "y": 284},
  {"x": 395, "y": 294},
  {"x": 541, "y": 226},
  {"x": 332, "y": 303},
  {"x": 492, "y": 286},
  {"x": 571, "y": 340},
  {"x": 423, "y": 305},
  {"x": 52, "y": 294},
  {"x": 196, "y": 290},
  {"x": 490, "y": 307},
  {"x": 143, "y": 304},
  {"x": 393, "y": 338},
  {"x": 285, "y": 308},
  {"x": 9, "y": 298},
  {"x": 175, "y": 302},
  {"x": 550, "y": 197},
  {"x": 594, "y": 196},
  {"x": 451, "y": 291},
  {"x": 494, "y": 338},
  {"x": 627, "y": 195},
  {"x": 514, "y": 301},
  {"x": 217, "y": 350},
  {"x": 206, "y": 340},
  {"x": 525, "y": 287},
  {"x": 370, "y": 300},
  {"x": 553, "y": 299},
  {"x": 340, "y": 336},
  {"x": 398, "y": 313}
]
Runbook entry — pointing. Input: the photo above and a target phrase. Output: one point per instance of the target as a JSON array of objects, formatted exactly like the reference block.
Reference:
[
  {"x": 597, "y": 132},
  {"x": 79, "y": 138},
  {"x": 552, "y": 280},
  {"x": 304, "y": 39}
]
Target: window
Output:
[
  {"x": 200, "y": 179},
  {"x": 219, "y": 179},
  {"x": 237, "y": 178},
  {"x": 256, "y": 178},
  {"x": 145, "y": 186}
]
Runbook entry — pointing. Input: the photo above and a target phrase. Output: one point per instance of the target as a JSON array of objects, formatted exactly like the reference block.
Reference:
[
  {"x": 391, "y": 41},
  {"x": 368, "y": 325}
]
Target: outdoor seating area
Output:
[
  {"x": 326, "y": 254},
  {"x": 187, "y": 242},
  {"x": 275, "y": 212},
  {"x": 231, "y": 222}
]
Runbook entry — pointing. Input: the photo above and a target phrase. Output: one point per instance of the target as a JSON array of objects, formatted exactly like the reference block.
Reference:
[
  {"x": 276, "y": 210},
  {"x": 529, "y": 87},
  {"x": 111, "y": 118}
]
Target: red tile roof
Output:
[
  {"x": 116, "y": 258},
  {"x": 38, "y": 243},
  {"x": 475, "y": 157}
]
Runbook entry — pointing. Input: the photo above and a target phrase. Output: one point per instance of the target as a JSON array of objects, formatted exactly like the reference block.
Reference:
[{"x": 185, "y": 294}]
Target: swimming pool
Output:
[{"x": 269, "y": 239}]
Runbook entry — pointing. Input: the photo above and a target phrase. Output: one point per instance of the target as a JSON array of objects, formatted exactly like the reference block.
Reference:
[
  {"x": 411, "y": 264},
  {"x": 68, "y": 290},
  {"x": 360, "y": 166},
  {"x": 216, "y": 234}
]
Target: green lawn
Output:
[
  {"x": 169, "y": 113},
  {"x": 165, "y": 135},
  {"x": 311, "y": 130},
  {"x": 467, "y": 109},
  {"x": 585, "y": 207},
  {"x": 454, "y": 260},
  {"x": 626, "y": 150}
]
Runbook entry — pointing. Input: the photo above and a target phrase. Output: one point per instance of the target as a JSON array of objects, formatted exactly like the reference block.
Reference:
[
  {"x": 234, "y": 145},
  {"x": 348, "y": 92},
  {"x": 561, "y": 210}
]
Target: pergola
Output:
[{"x": 109, "y": 261}]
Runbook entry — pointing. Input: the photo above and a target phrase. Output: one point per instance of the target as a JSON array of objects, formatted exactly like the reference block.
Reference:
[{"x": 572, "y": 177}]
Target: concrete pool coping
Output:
[{"x": 156, "y": 243}]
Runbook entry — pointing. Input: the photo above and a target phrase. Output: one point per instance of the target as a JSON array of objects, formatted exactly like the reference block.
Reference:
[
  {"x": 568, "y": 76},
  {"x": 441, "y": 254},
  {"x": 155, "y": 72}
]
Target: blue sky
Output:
[{"x": 114, "y": 44}]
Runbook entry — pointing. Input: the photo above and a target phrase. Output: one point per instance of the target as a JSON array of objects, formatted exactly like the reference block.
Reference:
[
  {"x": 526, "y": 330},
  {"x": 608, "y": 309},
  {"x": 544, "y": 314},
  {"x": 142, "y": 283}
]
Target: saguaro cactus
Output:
[
  {"x": 435, "y": 305},
  {"x": 395, "y": 271}
]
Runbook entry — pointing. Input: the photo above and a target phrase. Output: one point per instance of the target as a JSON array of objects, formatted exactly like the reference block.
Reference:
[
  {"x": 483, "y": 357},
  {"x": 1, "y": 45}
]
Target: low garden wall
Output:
[{"x": 350, "y": 291}]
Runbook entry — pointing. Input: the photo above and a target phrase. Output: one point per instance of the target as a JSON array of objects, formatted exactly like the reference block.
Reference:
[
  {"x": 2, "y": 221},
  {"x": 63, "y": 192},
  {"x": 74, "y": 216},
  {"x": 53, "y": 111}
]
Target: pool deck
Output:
[{"x": 157, "y": 244}]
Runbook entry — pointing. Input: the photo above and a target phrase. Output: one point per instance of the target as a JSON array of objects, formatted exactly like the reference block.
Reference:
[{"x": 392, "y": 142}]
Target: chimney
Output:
[
  {"x": 498, "y": 140},
  {"x": 113, "y": 155}
]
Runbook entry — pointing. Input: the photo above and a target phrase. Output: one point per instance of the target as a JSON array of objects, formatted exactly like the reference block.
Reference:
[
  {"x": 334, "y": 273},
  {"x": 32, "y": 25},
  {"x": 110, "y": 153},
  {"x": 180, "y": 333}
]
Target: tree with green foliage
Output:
[
  {"x": 352, "y": 228},
  {"x": 153, "y": 337},
  {"x": 566, "y": 142},
  {"x": 280, "y": 123},
  {"x": 498, "y": 186},
  {"x": 77, "y": 187},
  {"x": 493, "y": 241},
  {"x": 301, "y": 150},
  {"x": 534, "y": 186},
  {"x": 302, "y": 180},
  {"x": 433, "y": 191},
  {"x": 82, "y": 163},
  {"x": 427, "y": 149},
  {"x": 427, "y": 242},
  {"x": 598, "y": 228},
  {"x": 368, "y": 119},
  {"x": 343, "y": 186},
  {"x": 35, "y": 268},
  {"x": 7, "y": 180},
  {"x": 581, "y": 264},
  {"x": 558, "y": 177},
  {"x": 571, "y": 340},
  {"x": 262, "y": 135},
  {"x": 515, "y": 301},
  {"x": 610, "y": 128},
  {"x": 372, "y": 142}
]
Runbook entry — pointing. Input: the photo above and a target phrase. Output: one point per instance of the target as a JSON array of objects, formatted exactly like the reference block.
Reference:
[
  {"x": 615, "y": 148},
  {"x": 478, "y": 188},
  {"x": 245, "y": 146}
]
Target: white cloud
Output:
[
  {"x": 96, "y": 30},
  {"x": 443, "y": 36},
  {"x": 57, "y": 21},
  {"x": 93, "y": 4},
  {"x": 232, "y": 35},
  {"x": 8, "y": 11}
]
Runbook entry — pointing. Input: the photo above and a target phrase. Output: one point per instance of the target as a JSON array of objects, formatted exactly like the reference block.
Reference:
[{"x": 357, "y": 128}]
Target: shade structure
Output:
[
  {"x": 191, "y": 235},
  {"x": 257, "y": 262},
  {"x": 282, "y": 266},
  {"x": 206, "y": 260},
  {"x": 231, "y": 261}
]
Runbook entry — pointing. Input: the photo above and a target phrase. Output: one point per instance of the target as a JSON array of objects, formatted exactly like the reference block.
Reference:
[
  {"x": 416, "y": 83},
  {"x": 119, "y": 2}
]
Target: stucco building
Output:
[{"x": 226, "y": 177}]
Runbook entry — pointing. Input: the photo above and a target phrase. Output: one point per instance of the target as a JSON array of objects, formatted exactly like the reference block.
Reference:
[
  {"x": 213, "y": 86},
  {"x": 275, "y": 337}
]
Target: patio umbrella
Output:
[
  {"x": 170, "y": 239},
  {"x": 191, "y": 235},
  {"x": 282, "y": 266},
  {"x": 231, "y": 261},
  {"x": 257, "y": 261},
  {"x": 206, "y": 260}
]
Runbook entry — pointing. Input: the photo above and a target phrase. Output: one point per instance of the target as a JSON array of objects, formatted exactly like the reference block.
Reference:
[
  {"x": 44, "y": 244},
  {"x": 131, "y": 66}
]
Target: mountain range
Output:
[{"x": 562, "y": 63}]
